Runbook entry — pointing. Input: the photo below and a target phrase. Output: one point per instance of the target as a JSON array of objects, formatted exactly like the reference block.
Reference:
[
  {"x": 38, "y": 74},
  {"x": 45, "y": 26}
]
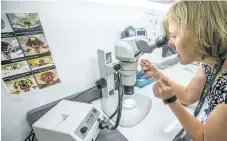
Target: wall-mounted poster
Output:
[
  {"x": 26, "y": 61},
  {"x": 25, "y": 22}
]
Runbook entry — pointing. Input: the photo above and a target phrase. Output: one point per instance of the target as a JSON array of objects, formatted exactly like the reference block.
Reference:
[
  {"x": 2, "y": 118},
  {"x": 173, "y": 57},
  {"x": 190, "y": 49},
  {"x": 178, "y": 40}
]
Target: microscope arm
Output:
[{"x": 129, "y": 49}]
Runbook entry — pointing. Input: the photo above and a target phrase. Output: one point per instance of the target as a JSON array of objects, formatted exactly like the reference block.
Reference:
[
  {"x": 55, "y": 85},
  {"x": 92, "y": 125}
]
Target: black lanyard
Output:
[{"x": 207, "y": 86}]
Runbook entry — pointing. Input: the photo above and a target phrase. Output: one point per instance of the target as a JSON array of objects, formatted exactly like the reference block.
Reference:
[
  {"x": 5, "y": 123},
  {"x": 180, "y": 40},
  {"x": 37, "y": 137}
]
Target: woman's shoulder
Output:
[{"x": 206, "y": 68}]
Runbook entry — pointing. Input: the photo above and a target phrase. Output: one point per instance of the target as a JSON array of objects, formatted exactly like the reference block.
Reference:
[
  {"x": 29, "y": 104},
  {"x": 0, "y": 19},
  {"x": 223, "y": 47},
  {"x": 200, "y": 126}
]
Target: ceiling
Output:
[{"x": 163, "y": 1}]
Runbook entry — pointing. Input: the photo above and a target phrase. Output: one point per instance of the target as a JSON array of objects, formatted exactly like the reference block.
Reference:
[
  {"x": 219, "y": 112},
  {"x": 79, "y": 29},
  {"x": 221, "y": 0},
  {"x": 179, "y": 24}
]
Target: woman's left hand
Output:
[{"x": 162, "y": 89}]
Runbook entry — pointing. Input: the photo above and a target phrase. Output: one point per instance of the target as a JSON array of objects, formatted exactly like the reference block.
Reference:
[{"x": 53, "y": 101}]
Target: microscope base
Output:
[{"x": 129, "y": 116}]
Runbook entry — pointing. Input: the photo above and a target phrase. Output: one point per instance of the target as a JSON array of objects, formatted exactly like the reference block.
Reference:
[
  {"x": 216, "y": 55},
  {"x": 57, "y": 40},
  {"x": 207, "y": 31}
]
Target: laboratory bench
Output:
[{"x": 159, "y": 125}]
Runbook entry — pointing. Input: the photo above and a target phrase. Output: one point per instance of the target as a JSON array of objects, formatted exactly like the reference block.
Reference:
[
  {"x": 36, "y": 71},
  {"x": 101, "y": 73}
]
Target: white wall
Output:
[{"x": 74, "y": 31}]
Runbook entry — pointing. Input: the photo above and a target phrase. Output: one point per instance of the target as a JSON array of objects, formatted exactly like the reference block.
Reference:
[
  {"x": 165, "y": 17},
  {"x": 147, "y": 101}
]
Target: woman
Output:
[{"x": 198, "y": 29}]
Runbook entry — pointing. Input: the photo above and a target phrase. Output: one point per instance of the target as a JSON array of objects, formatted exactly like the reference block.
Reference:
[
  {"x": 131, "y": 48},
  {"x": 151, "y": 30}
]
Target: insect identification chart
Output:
[{"x": 26, "y": 61}]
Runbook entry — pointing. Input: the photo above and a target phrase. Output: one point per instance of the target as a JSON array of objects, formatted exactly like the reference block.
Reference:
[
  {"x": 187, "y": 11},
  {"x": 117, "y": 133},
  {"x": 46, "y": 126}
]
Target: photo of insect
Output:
[
  {"x": 47, "y": 77},
  {"x": 23, "y": 84},
  {"x": 14, "y": 68},
  {"x": 24, "y": 21},
  {"x": 41, "y": 62},
  {"x": 36, "y": 44},
  {"x": 7, "y": 49}
]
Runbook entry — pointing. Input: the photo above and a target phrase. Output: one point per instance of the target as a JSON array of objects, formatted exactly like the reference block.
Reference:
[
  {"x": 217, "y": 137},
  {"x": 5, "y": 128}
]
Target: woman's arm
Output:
[
  {"x": 191, "y": 125},
  {"x": 186, "y": 95},
  {"x": 190, "y": 94},
  {"x": 216, "y": 124},
  {"x": 215, "y": 128}
]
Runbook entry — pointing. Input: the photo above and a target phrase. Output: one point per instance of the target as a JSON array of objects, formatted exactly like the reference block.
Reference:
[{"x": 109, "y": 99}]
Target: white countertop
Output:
[{"x": 160, "y": 124}]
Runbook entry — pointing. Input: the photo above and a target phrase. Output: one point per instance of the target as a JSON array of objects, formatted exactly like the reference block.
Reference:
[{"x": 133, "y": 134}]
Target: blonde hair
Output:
[{"x": 203, "y": 23}]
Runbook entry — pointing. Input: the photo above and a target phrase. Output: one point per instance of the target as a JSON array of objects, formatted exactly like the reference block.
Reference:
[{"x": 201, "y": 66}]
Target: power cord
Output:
[
  {"x": 31, "y": 136},
  {"x": 103, "y": 123}
]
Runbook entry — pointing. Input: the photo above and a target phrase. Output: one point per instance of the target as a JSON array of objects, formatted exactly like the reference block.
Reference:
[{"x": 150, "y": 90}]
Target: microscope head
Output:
[{"x": 128, "y": 51}]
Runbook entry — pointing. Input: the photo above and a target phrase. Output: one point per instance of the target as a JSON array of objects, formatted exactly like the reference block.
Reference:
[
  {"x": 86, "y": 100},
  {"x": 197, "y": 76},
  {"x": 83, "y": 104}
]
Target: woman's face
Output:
[{"x": 185, "y": 51}]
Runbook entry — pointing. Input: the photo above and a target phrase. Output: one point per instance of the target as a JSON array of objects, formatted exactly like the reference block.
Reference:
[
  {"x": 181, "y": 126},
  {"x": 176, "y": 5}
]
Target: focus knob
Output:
[{"x": 83, "y": 129}]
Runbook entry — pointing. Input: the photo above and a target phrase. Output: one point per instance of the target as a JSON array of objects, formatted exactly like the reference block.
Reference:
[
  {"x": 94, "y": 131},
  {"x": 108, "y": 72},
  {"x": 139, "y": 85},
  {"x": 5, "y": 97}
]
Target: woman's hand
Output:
[
  {"x": 162, "y": 89},
  {"x": 150, "y": 70}
]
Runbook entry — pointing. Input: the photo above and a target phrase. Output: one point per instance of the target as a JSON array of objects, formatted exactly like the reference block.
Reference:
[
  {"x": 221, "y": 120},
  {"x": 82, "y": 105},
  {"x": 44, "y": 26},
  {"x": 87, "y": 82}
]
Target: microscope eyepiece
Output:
[{"x": 161, "y": 41}]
